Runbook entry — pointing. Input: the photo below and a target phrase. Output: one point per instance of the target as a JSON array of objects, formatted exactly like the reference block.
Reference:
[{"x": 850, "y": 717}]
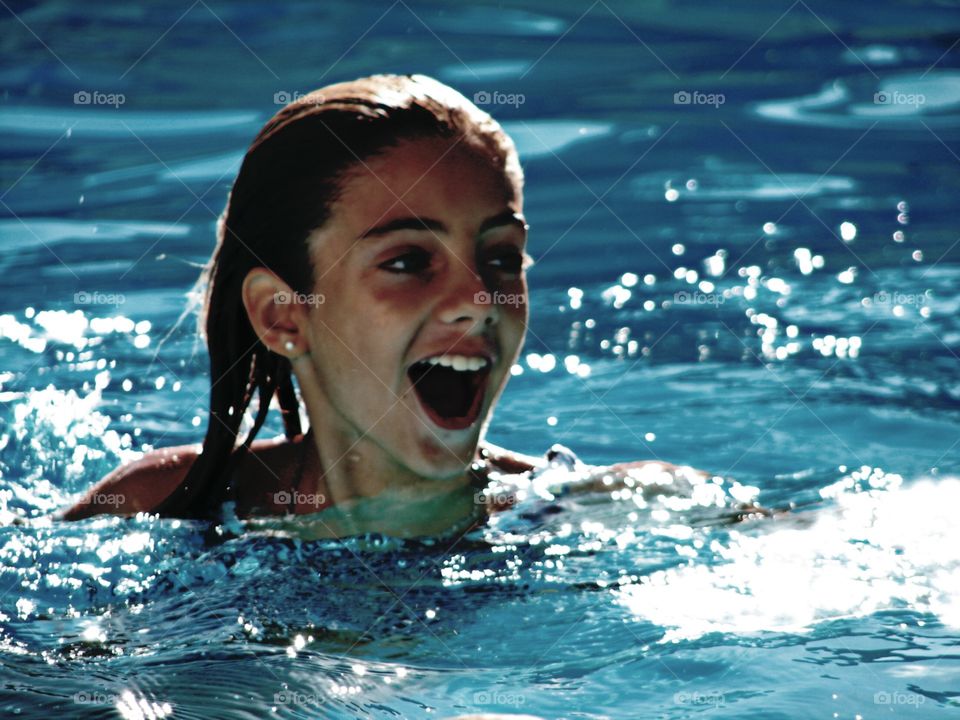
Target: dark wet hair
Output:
[{"x": 290, "y": 177}]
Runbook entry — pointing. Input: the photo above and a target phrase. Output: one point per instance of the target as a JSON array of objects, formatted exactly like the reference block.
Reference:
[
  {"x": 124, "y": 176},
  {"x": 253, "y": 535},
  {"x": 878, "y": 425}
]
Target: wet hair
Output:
[{"x": 289, "y": 180}]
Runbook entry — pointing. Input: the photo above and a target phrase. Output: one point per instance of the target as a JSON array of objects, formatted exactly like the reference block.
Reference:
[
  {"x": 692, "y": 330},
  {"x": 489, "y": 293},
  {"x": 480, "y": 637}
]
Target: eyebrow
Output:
[{"x": 414, "y": 222}]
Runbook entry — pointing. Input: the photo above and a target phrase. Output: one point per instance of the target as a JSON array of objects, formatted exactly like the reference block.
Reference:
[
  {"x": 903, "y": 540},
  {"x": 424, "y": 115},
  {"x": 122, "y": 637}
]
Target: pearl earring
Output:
[{"x": 289, "y": 346}]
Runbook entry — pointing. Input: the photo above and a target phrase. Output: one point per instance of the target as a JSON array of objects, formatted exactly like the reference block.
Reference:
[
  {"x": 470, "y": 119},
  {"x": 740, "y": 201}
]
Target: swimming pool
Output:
[{"x": 747, "y": 262}]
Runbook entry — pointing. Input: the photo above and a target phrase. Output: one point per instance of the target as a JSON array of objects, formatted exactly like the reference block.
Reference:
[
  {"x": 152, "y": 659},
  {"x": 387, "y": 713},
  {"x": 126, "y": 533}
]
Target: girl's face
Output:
[{"x": 424, "y": 302}]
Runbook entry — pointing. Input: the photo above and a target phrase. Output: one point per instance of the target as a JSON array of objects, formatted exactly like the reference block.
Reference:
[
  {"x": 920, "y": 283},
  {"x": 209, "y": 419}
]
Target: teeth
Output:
[{"x": 458, "y": 362}]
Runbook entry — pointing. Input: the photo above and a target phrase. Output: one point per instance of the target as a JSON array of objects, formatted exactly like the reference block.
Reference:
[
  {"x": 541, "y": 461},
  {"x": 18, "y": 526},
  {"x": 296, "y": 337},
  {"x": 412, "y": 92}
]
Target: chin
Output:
[
  {"x": 436, "y": 462},
  {"x": 439, "y": 455}
]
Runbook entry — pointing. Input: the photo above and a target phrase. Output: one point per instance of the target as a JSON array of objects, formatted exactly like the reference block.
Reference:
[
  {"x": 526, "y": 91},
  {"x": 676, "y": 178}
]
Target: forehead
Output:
[{"x": 436, "y": 176}]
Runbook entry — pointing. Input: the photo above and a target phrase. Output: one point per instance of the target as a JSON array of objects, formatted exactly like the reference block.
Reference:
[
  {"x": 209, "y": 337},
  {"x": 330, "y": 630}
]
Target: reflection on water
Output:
[
  {"x": 903, "y": 100},
  {"x": 881, "y": 548},
  {"x": 764, "y": 287}
]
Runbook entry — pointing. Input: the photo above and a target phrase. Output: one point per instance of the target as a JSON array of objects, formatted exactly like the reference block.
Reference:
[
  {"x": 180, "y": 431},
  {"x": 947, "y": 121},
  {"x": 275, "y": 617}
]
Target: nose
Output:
[{"x": 467, "y": 300}]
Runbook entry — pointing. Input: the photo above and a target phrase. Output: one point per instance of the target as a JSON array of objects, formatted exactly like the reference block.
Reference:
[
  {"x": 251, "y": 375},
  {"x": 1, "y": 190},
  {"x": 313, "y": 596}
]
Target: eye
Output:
[
  {"x": 408, "y": 262},
  {"x": 509, "y": 261}
]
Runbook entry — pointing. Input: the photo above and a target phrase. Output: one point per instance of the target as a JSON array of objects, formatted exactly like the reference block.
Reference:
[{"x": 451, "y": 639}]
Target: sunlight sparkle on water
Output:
[
  {"x": 848, "y": 276},
  {"x": 544, "y": 363},
  {"x": 131, "y": 707},
  {"x": 874, "y": 550},
  {"x": 616, "y": 295},
  {"x": 848, "y": 231}
]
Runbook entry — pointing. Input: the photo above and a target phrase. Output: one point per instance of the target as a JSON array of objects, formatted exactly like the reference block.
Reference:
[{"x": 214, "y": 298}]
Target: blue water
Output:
[{"x": 765, "y": 287}]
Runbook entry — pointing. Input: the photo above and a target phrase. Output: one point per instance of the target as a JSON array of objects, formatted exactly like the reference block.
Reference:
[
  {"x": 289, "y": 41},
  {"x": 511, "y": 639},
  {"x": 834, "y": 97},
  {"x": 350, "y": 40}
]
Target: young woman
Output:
[{"x": 373, "y": 247}]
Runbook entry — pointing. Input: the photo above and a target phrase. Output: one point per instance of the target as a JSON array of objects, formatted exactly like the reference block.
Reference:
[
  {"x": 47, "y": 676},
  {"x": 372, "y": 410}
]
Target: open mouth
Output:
[{"x": 451, "y": 388}]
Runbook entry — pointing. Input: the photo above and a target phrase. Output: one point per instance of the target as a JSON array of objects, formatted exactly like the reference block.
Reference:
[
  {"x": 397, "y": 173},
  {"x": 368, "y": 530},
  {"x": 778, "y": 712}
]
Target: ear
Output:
[{"x": 278, "y": 319}]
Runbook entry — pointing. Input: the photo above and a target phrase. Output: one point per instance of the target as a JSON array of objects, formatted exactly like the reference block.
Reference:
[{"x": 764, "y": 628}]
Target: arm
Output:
[
  {"x": 649, "y": 478},
  {"x": 560, "y": 472},
  {"x": 508, "y": 461},
  {"x": 653, "y": 477}
]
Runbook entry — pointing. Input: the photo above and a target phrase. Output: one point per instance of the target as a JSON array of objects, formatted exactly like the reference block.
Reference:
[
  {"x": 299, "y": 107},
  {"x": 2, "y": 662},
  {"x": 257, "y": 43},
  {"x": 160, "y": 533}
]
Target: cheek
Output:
[
  {"x": 401, "y": 297},
  {"x": 518, "y": 307},
  {"x": 372, "y": 330},
  {"x": 513, "y": 325}
]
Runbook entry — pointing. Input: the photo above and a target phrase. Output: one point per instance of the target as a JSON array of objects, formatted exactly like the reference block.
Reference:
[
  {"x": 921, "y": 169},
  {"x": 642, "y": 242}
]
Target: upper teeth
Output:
[{"x": 458, "y": 362}]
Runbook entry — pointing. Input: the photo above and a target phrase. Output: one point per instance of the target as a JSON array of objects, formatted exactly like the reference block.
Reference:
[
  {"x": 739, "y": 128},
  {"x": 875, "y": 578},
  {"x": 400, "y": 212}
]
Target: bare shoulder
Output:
[
  {"x": 143, "y": 484},
  {"x": 138, "y": 486}
]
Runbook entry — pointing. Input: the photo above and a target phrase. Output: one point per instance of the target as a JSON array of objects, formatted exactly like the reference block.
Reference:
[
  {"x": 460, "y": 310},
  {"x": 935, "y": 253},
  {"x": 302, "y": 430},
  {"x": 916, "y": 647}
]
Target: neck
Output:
[
  {"x": 369, "y": 490},
  {"x": 369, "y": 493}
]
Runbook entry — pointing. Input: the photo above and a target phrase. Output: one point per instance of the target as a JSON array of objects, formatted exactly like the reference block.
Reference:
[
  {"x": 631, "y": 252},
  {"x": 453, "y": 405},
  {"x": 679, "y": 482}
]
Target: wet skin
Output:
[{"x": 419, "y": 239}]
